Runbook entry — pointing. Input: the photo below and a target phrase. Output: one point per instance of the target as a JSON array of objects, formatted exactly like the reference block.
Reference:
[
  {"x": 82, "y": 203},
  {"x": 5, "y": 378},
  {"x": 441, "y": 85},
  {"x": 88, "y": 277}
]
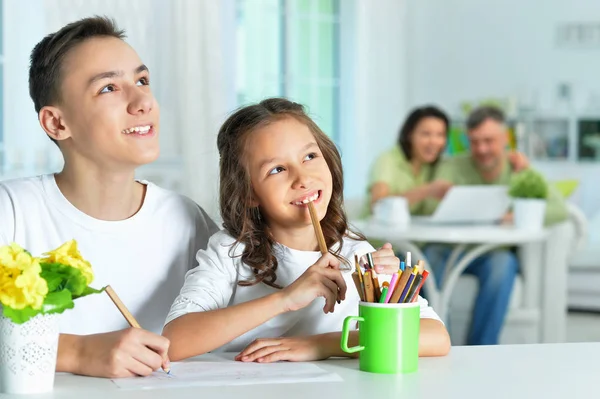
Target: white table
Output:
[
  {"x": 473, "y": 241},
  {"x": 508, "y": 371}
]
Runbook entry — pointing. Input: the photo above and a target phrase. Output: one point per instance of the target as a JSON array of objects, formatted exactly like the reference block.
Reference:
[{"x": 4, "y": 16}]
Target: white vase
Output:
[
  {"x": 28, "y": 354},
  {"x": 529, "y": 213}
]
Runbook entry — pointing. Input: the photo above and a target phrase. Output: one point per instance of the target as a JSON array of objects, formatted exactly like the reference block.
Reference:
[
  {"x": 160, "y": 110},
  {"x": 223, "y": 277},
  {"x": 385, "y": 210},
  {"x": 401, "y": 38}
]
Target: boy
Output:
[{"x": 92, "y": 96}]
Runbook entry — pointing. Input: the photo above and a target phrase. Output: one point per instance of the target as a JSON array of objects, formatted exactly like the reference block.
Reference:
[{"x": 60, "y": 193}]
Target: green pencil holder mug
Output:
[{"x": 388, "y": 337}]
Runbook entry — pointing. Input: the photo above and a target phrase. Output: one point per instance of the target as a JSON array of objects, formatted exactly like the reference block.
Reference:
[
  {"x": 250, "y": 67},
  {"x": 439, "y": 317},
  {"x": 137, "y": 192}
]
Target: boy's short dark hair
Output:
[
  {"x": 48, "y": 55},
  {"x": 482, "y": 114}
]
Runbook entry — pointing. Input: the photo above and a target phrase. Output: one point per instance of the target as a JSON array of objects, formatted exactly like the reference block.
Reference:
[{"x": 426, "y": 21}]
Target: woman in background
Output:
[{"x": 408, "y": 168}]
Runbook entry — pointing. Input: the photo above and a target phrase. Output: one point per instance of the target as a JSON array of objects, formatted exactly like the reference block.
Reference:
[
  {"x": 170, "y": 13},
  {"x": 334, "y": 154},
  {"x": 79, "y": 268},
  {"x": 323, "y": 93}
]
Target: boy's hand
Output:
[{"x": 125, "y": 353}]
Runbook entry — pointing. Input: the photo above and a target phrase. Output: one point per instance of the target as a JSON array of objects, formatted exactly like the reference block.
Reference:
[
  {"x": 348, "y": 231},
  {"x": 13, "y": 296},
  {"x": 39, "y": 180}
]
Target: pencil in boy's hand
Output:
[
  {"x": 127, "y": 314},
  {"x": 122, "y": 308}
]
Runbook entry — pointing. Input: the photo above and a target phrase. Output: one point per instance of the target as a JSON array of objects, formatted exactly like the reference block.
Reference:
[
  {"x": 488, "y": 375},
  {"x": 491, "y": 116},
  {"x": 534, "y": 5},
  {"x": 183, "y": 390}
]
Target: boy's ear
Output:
[{"x": 52, "y": 122}]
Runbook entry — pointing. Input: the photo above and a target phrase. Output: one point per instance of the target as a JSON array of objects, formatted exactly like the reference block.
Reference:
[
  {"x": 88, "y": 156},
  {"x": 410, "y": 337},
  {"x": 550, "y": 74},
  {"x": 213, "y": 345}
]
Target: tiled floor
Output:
[{"x": 583, "y": 327}]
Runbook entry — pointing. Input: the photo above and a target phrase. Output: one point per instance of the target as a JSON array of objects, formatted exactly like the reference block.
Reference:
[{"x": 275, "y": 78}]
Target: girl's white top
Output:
[{"x": 213, "y": 284}]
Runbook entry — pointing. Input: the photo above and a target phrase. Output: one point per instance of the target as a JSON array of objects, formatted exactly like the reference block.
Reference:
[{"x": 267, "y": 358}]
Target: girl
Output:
[{"x": 254, "y": 290}]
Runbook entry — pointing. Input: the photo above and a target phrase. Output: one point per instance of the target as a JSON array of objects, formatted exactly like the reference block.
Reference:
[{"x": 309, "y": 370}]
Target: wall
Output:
[
  {"x": 470, "y": 49},
  {"x": 373, "y": 84}
]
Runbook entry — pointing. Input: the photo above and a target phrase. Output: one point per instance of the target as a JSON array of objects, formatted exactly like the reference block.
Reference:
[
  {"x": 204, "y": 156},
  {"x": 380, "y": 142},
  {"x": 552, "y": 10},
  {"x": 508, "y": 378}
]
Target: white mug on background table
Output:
[{"x": 392, "y": 211}]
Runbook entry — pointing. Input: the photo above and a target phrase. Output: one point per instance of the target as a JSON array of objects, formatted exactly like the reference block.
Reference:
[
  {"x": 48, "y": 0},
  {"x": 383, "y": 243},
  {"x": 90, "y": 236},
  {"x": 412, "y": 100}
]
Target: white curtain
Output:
[
  {"x": 183, "y": 42},
  {"x": 198, "y": 54}
]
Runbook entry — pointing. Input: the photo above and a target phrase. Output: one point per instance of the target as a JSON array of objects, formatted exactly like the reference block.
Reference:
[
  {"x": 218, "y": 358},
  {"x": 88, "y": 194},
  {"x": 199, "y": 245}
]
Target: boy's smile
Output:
[{"x": 109, "y": 114}]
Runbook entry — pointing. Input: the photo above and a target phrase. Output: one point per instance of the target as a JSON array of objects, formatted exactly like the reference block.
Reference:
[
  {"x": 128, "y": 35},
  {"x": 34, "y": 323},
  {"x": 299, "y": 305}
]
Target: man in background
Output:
[{"x": 489, "y": 162}]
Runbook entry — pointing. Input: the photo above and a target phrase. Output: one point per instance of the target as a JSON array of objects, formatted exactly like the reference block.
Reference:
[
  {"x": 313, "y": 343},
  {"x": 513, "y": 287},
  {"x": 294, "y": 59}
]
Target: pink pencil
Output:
[{"x": 390, "y": 290}]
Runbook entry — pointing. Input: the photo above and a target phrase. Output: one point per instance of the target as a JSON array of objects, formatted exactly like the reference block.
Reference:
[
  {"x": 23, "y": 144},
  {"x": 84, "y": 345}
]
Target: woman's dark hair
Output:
[
  {"x": 410, "y": 124},
  {"x": 244, "y": 221}
]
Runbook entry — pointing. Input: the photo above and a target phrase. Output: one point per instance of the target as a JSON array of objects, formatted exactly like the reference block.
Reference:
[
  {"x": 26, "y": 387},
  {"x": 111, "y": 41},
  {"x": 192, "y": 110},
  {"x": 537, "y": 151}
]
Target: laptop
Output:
[{"x": 478, "y": 204}]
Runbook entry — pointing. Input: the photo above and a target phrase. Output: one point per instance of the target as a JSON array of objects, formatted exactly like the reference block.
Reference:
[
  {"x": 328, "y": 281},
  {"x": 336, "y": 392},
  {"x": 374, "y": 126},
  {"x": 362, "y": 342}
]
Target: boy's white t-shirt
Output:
[
  {"x": 144, "y": 258},
  {"x": 213, "y": 284}
]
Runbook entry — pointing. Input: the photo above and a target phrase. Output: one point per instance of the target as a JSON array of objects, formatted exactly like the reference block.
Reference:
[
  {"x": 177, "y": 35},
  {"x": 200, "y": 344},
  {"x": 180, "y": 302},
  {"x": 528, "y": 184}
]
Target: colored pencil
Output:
[
  {"x": 418, "y": 290},
  {"x": 126, "y": 313}
]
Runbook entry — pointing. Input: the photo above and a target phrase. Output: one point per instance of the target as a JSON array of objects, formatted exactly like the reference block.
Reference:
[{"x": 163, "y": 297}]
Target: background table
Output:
[
  {"x": 545, "y": 282},
  {"x": 508, "y": 371}
]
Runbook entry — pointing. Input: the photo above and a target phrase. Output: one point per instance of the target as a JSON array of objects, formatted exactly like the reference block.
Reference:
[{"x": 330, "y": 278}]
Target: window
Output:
[
  {"x": 290, "y": 48},
  {"x": 1, "y": 87}
]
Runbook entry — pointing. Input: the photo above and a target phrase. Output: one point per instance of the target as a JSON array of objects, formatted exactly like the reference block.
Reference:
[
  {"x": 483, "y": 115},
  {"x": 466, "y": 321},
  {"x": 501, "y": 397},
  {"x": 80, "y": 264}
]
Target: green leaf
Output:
[
  {"x": 89, "y": 291},
  {"x": 20, "y": 316},
  {"x": 58, "y": 302},
  {"x": 60, "y": 277},
  {"x": 53, "y": 279}
]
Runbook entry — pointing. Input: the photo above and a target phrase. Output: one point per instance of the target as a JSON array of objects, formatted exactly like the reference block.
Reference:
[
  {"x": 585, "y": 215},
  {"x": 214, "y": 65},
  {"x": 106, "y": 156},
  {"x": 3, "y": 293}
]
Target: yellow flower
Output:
[
  {"x": 68, "y": 254},
  {"x": 20, "y": 282}
]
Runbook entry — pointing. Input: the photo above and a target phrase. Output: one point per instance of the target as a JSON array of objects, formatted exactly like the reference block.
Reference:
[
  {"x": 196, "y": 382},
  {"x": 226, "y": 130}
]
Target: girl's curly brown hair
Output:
[{"x": 245, "y": 222}]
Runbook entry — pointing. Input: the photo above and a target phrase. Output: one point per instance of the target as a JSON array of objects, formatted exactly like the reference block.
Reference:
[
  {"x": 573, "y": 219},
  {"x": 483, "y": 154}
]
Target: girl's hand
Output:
[
  {"x": 296, "y": 349},
  {"x": 385, "y": 260},
  {"x": 323, "y": 279}
]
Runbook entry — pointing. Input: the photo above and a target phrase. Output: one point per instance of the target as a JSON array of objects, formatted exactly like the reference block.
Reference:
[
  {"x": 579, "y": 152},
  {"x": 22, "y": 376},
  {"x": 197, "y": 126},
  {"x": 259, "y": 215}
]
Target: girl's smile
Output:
[
  {"x": 287, "y": 171},
  {"x": 304, "y": 200}
]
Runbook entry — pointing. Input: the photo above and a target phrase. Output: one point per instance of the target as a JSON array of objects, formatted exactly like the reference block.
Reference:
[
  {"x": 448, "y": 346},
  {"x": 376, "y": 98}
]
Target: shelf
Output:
[{"x": 545, "y": 136}]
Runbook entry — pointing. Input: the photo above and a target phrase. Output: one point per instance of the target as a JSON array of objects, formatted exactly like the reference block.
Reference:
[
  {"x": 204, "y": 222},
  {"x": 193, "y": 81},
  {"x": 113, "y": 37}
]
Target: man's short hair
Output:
[
  {"x": 482, "y": 114},
  {"x": 48, "y": 56}
]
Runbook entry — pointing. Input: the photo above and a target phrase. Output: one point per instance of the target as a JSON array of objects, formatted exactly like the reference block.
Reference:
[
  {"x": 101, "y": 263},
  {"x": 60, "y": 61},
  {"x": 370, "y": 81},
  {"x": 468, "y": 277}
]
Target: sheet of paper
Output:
[{"x": 202, "y": 373}]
